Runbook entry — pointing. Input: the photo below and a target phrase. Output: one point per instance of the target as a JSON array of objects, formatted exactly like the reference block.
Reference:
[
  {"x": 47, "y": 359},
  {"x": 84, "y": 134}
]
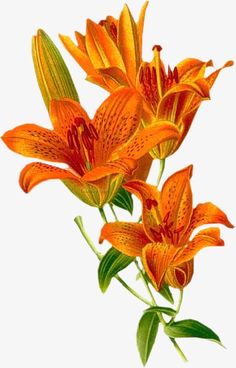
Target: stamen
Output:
[
  {"x": 154, "y": 76},
  {"x": 87, "y": 131},
  {"x": 151, "y": 203},
  {"x": 156, "y": 235},
  {"x": 113, "y": 30},
  {"x": 86, "y": 141},
  {"x": 157, "y": 47},
  {"x": 74, "y": 131},
  {"x": 70, "y": 139},
  {"x": 93, "y": 131},
  {"x": 148, "y": 75},
  {"x": 141, "y": 75},
  {"x": 176, "y": 75},
  {"x": 170, "y": 74},
  {"x": 166, "y": 217}
]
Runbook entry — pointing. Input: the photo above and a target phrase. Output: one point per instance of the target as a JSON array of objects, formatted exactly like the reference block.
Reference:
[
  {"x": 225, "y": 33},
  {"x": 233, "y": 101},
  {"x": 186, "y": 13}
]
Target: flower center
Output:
[
  {"x": 80, "y": 138},
  {"x": 165, "y": 231},
  {"x": 154, "y": 81}
]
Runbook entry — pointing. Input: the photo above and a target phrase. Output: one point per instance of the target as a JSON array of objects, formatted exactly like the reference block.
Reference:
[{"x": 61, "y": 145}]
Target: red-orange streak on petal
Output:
[
  {"x": 128, "y": 238},
  {"x": 37, "y": 172}
]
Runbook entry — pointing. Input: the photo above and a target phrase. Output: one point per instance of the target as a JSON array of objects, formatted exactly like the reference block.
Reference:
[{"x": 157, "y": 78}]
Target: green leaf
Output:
[
  {"x": 112, "y": 262},
  {"x": 123, "y": 199},
  {"x": 146, "y": 335},
  {"x": 166, "y": 293},
  {"x": 51, "y": 71},
  {"x": 169, "y": 311},
  {"x": 191, "y": 328}
]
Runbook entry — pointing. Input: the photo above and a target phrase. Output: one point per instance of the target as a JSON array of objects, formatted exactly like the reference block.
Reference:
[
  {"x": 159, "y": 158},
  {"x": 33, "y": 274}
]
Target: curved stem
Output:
[
  {"x": 103, "y": 215},
  {"x": 161, "y": 170},
  {"x": 79, "y": 222},
  {"x": 181, "y": 294},
  {"x": 163, "y": 322},
  {"x": 113, "y": 211}
]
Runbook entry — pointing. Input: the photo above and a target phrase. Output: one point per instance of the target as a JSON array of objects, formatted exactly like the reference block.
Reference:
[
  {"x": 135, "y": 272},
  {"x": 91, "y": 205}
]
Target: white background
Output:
[{"x": 52, "y": 313}]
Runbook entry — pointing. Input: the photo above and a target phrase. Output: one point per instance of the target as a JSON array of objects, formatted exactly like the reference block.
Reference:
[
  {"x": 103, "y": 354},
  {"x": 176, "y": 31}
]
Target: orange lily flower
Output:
[
  {"x": 111, "y": 55},
  {"x": 174, "y": 95},
  {"x": 99, "y": 152},
  {"x": 111, "y": 51},
  {"x": 162, "y": 240}
]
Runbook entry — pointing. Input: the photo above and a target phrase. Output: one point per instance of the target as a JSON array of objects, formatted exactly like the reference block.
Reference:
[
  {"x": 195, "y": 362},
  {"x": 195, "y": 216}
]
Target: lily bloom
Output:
[
  {"x": 111, "y": 51},
  {"x": 99, "y": 152},
  {"x": 162, "y": 240},
  {"x": 111, "y": 55}
]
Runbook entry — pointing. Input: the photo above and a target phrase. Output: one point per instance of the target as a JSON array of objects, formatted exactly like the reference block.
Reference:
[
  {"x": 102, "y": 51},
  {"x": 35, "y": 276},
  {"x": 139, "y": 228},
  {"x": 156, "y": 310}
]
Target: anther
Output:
[
  {"x": 86, "y": 141},
  {"x": 102, "y": 22},
  {"x": 157, "y": 47},
  {"x": 113, "y": 30},
  {"x": 141, "y": 75},
  {"x": 148, "y": 74},
  {"x": 74, "y": 131},
  {"x": 170, "y": 74}
]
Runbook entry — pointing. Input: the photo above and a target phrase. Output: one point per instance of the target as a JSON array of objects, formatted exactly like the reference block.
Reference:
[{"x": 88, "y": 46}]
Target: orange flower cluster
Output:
[{"x": 147, "y": 115}]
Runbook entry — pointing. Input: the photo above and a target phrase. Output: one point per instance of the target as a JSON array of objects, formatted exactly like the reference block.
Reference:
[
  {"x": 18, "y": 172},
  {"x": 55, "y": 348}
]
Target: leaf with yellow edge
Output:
[{"x": 52, "y": 73}]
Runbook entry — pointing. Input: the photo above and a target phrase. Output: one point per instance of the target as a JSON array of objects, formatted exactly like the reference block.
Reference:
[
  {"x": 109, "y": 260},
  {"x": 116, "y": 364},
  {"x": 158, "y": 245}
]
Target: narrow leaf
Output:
[
  {"x": 146, "y": 335},
  {"x": 112, "y": 262},
  {"x": 168, "y": 311},
  {"x": 51, "y": 71},
  {"x": 191, "y": 328},
  {"x": 123, "y": 199}
]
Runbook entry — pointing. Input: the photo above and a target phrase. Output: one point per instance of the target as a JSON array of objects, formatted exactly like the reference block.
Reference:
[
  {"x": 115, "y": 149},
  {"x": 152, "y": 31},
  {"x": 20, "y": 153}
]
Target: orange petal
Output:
[
  {"x": 205, "y": 238},
  {"x": 144, "y": 166},
  {"x": 147, "y": 138},
  {"x": 37, "y": 172},
  {"x": 176, "y": 204},
  {"x": 204, "y": 214},
  {"x": 34, "y": 141},
  {"x": 192, "y": 69},
  {"x": 63, "y": 113},
  {"x": 128, "y": 43},
  {"x": 129, "y": 238},
  {"x": 140, "y": 26},
  {"x": 116, "y": 75},
  {"x": 150, "y": 198},
  {"x": 212, "y": 77},
  {"x": 101, "y": 49},
  {"x": 116, "y": 120},
  {"x": 102, "y": 81},
  {"x": 179, "y": 277},
  {"x": 156, "y": 258},
  {"x": 123, "y": 166},
  {"x": 78, "y": 54}
]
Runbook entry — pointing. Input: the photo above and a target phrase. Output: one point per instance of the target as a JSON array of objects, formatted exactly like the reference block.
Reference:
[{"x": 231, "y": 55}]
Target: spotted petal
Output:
[
  {"x": 205, "y": 238},
  {"x": 37, "y": 172},
  {"x": 129, "y": 238},
  {"x": 156, "y": 258},
  {"x": 176, "y": 203},
  {"x": 150, "y": 198},
  {"x": 34, "y": 141}
]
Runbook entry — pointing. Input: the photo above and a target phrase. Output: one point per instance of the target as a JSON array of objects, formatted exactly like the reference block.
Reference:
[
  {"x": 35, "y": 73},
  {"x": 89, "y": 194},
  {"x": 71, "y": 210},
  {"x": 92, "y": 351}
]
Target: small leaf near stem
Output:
[
  {"x": 79, "y": 222},
  {"x": 162, "y": 320},
  {"x": 161, "y": 170}
]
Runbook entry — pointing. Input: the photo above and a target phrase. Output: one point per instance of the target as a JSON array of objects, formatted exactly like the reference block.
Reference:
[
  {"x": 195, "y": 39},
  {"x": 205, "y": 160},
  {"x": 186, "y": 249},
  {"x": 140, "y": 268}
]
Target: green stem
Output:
[
  {"x": 177, "y": 347},
  {"x": 180, "y": 352},
  {"x": 103, "y": 215},
  {"x": 113, "y": 211},
  {"x": 181, "y": 294},
  {"x": 79, "y": 222},
  {"x": 161, "y": 170}
]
